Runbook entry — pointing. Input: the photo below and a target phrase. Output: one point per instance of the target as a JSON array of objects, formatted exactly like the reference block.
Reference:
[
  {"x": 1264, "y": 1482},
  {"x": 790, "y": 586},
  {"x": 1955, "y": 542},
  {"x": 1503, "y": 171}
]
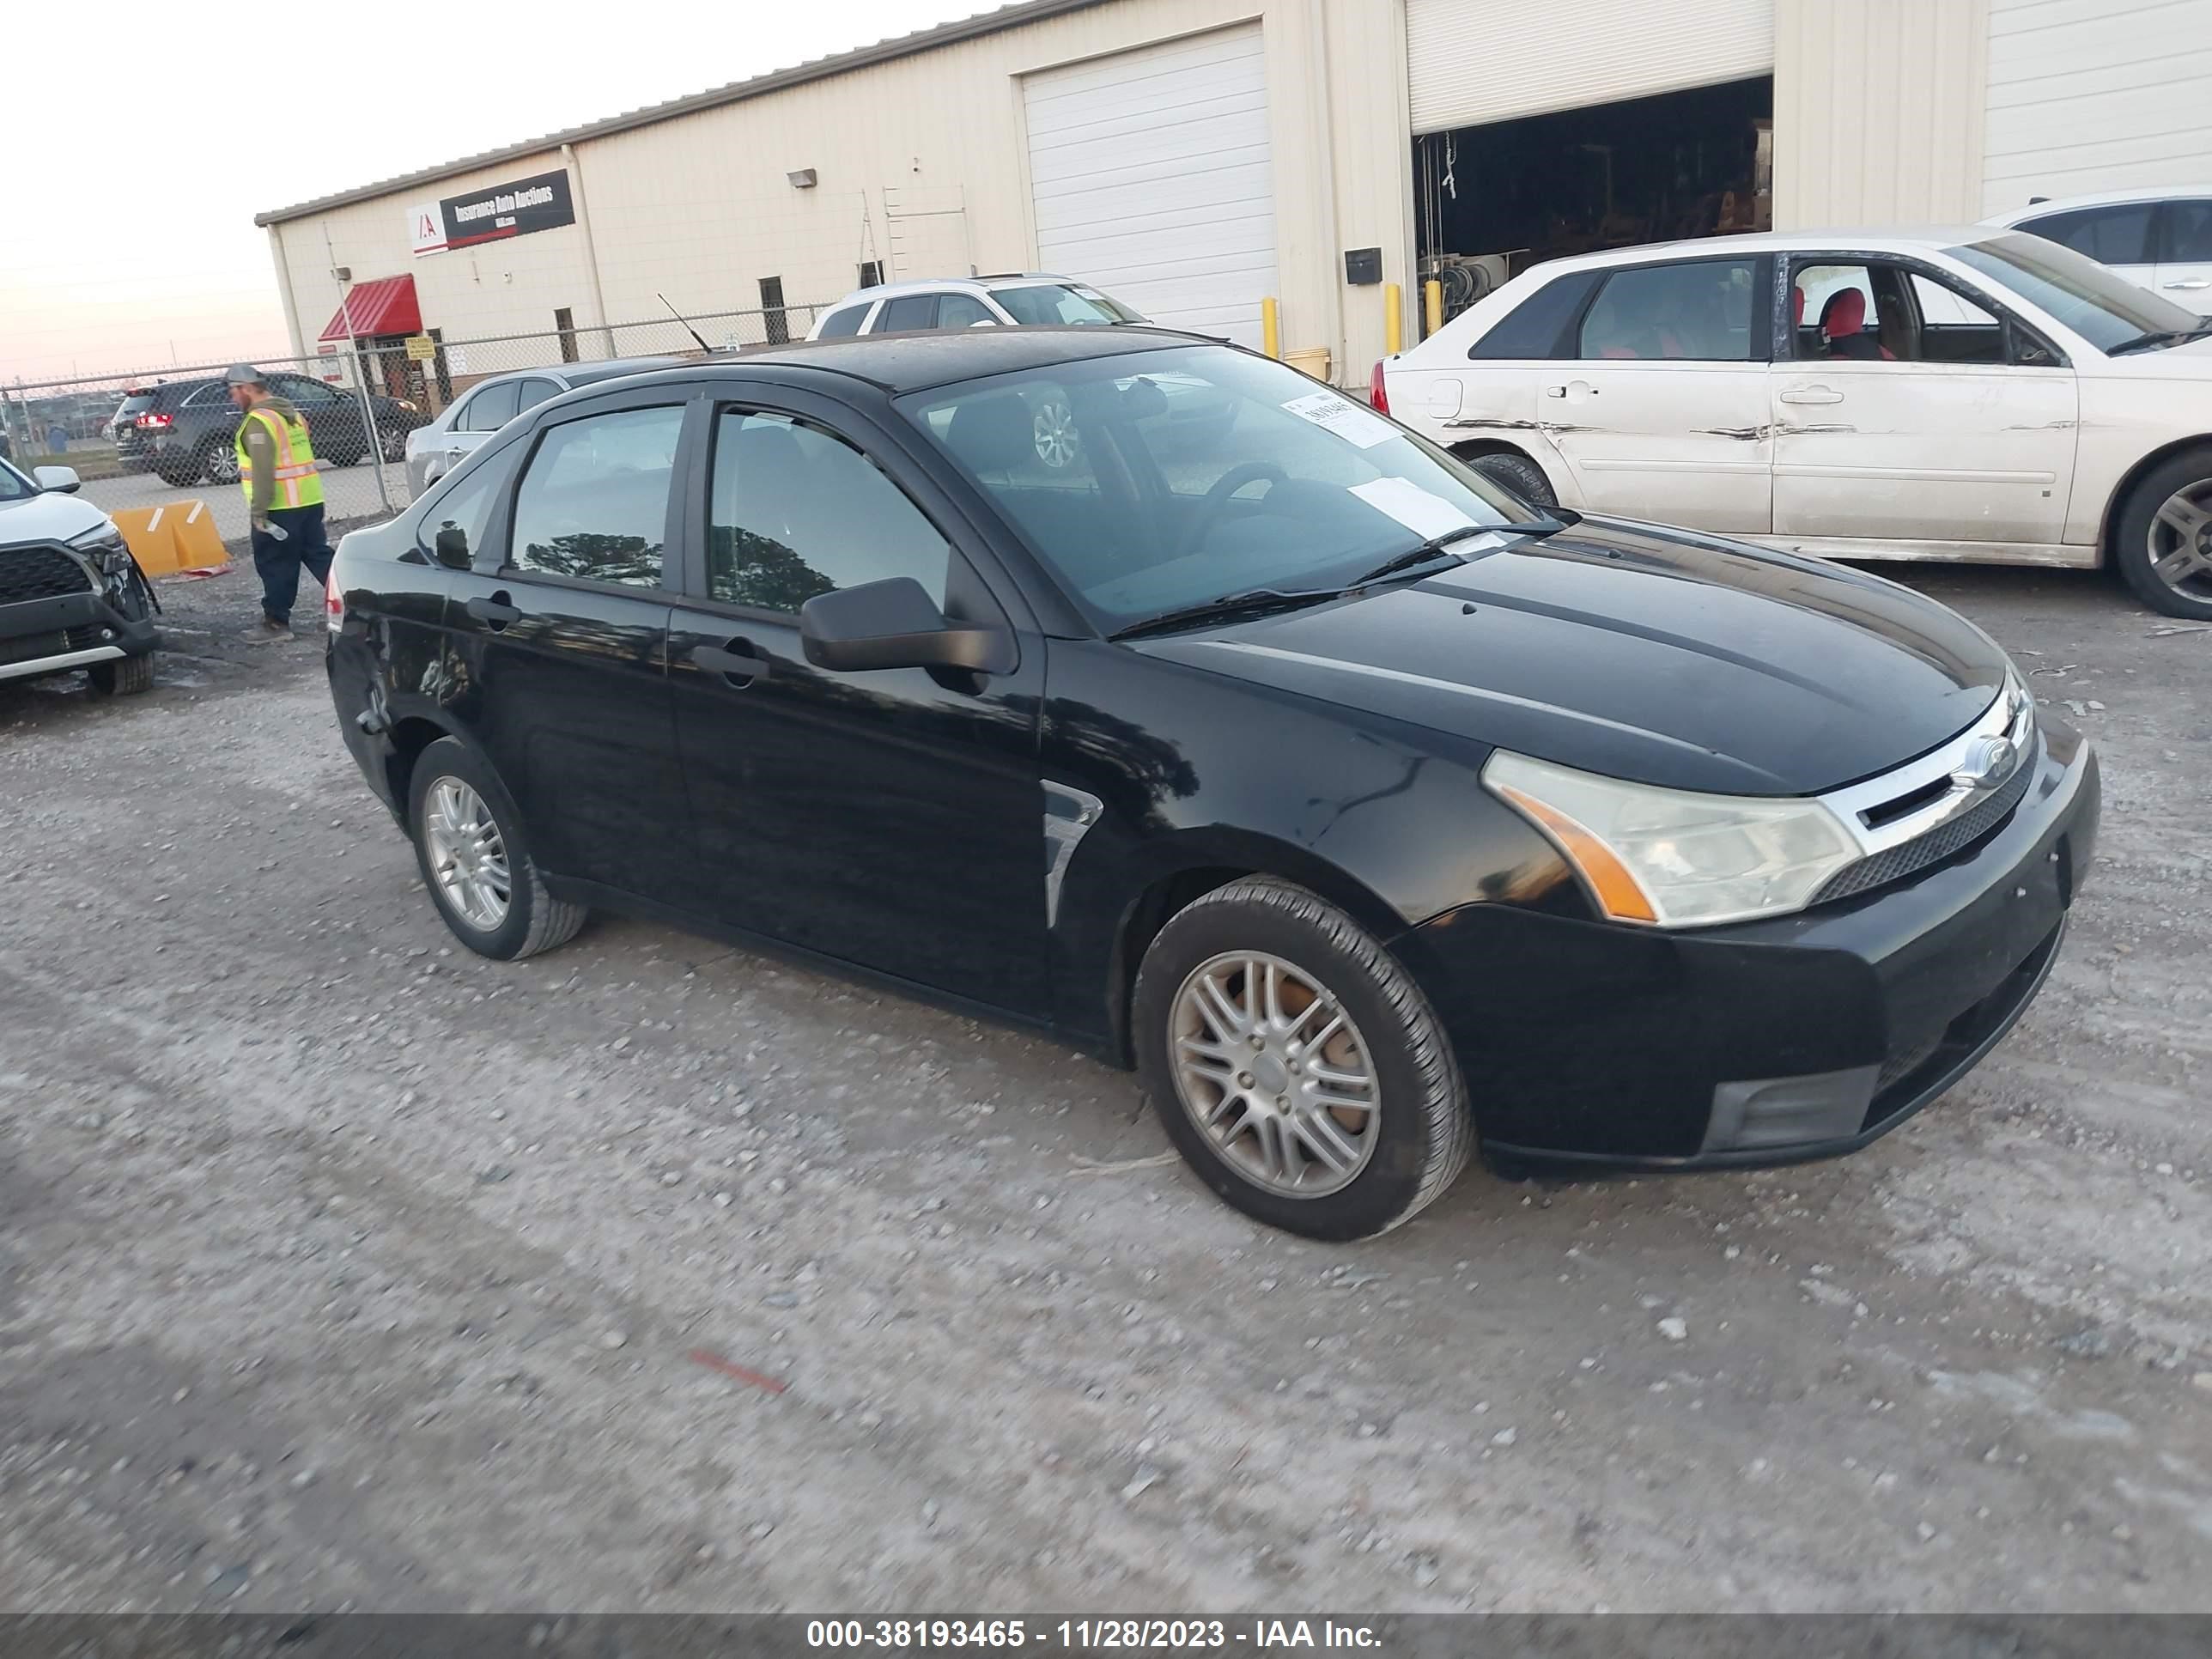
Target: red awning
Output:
[{"x": 386, "y": 306}]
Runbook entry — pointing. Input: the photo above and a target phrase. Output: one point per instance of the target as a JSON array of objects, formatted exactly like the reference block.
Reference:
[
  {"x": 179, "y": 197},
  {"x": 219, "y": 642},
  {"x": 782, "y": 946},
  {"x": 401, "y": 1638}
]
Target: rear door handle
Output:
[
  {"x": 1582, "y": 387},
  {"x": 496, "y": 612},
  {"x": 1812, "y": 394},
  {"x": 737, "y": 662},
  {"x": 2192, "y": 282}
]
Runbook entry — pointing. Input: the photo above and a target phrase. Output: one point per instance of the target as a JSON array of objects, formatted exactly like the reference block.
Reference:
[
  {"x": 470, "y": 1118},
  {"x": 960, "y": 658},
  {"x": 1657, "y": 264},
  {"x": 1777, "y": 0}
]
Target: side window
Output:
[
  {"x": 2111, "y": 235},
  {"x": 491, "y": 409},
  {"x": 1837, "y": 312},
  {"x": 1537, "y": 327},
  {"x": 463, "y": 511},
  {"x": 2188, "y": 234},
  {"x": 1698, "y": 311},
  {"x": 530, "y": 393},
  {"x": 962, "y": 311},
  {"x": 844, "y": 322},
  {"x": 305, "y": 393},
  {"x": 796, "y": 512},
  {"x": 907, "y": 311},
  {"x": 594, "y": 503}
]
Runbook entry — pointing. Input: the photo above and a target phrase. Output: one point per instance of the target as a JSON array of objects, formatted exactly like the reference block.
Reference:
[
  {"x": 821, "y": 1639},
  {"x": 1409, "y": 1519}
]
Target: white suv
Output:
[{"x": 2160, "y": 239}]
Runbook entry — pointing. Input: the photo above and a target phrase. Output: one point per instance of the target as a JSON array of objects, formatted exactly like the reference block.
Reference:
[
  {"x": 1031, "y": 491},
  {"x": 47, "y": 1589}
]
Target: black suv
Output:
[{"x": 187, "y": 430}]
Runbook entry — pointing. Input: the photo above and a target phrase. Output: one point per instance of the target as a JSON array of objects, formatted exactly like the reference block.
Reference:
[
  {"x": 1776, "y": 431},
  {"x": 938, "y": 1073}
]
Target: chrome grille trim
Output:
[{"x": 2003, "y": 734}]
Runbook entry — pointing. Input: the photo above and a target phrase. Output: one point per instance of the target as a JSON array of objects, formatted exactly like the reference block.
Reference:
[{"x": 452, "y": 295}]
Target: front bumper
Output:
[
  {"x": 1771, "y": 1042},
  {"x": 72, "y": 630}
]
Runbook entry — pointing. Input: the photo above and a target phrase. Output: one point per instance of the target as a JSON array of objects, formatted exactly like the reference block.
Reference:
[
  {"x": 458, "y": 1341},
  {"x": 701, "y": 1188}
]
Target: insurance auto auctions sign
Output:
[{"x": 541, "y": 202}]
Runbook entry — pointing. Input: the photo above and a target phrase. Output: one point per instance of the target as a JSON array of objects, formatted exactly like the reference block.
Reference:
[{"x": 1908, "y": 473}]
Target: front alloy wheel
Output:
[
  {"x": 1296, "y": 1064},
  {"x": 1053, "y": 425},
  {"x": 2180, "y": 544},
  {"x": 1275, "y": 1072},
  {"x": 2162, "y": 536}
]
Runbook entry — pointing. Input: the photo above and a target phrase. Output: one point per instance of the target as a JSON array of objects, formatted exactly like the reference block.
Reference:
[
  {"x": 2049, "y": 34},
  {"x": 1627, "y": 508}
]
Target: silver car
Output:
[{"x": 436, "y": 449}]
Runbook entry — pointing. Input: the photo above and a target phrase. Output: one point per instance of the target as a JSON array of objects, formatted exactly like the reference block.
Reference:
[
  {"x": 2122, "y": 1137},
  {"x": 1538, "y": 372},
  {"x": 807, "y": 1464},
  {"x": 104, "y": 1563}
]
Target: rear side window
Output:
[
  {"x": 844, "y": 322},
  {"x": 594, "y": 503},
  {"x": 463, "y": 511},
  {"x": 962, "y": 311},
  {"x": 1698, "y": 311},
  {"x": 2110, "y": 235},
  {"x": 491, "y": 409},
  {"x": 1538, "y": 326},
  {"x": 907, "y": 311},
  {"x": 530, "y": 393},
  {"x": 2188, "y": 234}
]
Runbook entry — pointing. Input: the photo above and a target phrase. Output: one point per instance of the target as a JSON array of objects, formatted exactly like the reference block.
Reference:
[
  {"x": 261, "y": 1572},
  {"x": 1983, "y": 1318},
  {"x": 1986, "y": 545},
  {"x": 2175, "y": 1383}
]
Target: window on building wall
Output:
[
  {"x": 773, "y": 318},
  {"x": 872, "y": 273},
  {"x": 565, "y": 320}
]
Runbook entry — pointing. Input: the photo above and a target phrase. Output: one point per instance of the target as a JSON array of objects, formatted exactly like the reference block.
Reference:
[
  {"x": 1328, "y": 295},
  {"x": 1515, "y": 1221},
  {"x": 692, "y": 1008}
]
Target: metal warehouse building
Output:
[{"x": 1196, "y": 157}]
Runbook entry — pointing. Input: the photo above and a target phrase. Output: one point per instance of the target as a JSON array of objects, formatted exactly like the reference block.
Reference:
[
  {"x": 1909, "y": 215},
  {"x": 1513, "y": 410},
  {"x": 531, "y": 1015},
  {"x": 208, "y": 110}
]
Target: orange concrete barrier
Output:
[{"x": 178, "y": 539}]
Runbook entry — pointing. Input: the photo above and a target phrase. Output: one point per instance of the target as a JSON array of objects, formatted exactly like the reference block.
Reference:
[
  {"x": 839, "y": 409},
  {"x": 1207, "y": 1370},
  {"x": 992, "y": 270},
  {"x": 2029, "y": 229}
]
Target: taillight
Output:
[
  {"x": 333, "y": 600},
  {"x": 1377, "y": 394},
  {"x": 155, "y": 423}
]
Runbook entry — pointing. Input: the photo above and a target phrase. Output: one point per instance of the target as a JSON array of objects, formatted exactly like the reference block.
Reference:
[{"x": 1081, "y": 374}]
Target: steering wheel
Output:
[{"x": 1216, "y": 500}]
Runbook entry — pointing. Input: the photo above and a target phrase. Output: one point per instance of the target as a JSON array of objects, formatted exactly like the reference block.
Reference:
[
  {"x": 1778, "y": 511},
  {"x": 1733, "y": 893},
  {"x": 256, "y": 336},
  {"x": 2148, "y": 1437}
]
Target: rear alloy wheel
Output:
[
  {"x": 1296, "y": 1064},
  {"x": 219, "y": 465},
  {"x": 469, "y": 847},
  {"x": 394, "y": 444},
  {"x": 2162, "y": 542},
  {"x": 1057, "y": 439}
]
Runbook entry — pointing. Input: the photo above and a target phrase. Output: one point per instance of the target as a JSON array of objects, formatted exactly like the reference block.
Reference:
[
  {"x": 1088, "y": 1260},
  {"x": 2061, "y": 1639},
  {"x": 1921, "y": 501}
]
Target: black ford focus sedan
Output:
[{"x": 1369, "y": 813}]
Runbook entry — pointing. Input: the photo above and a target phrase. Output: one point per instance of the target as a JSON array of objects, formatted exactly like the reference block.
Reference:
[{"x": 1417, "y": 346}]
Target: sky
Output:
[{"x": 143, "y": 140}]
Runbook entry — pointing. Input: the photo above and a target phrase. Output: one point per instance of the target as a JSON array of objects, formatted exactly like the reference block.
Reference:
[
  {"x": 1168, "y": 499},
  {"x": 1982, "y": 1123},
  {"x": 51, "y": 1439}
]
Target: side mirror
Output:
[
  {"x": 57, "y": 480},
  {"x": 895, "y": 624},
  {"x": 450, "y": 545}
]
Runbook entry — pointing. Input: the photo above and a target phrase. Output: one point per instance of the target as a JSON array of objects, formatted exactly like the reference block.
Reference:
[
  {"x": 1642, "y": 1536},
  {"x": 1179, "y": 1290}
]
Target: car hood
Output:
[
  {"x": 1650, "y": 655},
  {"x": 47, "y": 518}
]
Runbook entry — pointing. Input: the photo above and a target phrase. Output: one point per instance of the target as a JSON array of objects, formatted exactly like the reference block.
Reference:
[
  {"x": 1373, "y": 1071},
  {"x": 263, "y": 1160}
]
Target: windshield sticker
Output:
[
  {"x": 1348, "y": 420},
  {"x": 1425, "y": 514}
]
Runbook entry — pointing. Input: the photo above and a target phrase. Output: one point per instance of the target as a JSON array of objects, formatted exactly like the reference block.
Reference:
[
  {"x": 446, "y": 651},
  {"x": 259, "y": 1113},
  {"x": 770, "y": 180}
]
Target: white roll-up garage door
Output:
[
  {"x": 1471, "y": 61},
  {"x": 1150, "y": 175}
]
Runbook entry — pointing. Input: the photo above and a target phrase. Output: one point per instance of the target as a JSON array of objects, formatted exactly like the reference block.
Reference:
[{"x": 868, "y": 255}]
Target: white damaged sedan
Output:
[{"x": 1975, "y": 393}]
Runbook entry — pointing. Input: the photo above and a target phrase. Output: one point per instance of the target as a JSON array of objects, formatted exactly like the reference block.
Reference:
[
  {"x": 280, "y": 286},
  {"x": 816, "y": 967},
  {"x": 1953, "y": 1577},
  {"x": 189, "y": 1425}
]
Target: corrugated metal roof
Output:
[{"x": 818, "y": 69}]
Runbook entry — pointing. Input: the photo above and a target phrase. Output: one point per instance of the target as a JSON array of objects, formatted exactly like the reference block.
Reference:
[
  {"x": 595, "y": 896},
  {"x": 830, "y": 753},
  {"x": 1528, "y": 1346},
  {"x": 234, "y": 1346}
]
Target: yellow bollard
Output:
[
  {"x": 1271, "y": 328},
  {"x": 167, "y": 541},
  {"x": 1433, "y": 295},
  {"x": 1394, "y": 318},
  {"x": 199, "y": 543}
]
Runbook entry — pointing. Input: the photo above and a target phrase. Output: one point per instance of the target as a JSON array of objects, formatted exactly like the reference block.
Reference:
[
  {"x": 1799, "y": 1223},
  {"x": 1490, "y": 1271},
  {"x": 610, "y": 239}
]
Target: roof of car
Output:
[
  {"x": 915, "y": 361},
  {"x": 2101, "y": 199},
  {"x": 965, "y": 284},
  {"x": 1915, "y": 239}
]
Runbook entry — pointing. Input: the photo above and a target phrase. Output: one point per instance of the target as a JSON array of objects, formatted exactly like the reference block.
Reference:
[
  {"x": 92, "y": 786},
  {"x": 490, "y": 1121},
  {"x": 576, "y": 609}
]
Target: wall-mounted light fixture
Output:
[{"x": 801, "y": 177}]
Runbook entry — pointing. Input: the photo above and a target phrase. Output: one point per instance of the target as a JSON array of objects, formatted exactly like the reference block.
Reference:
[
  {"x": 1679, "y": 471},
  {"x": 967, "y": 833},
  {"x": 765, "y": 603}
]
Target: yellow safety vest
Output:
[{"x": 298, "y": 484}]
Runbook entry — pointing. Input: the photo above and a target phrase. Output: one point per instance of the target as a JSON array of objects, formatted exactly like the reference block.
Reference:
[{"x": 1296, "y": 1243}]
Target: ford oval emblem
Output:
[{"x": 1986, "y": 766}]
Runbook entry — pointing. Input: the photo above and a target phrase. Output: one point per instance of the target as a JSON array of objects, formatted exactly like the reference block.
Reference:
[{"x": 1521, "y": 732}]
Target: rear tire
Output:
[
  {"x": 2167, "y": 518},
  {"x": 130, "y": 677},
  {"x": 1383, "y": 1161},
  {"x": 525, "y": 919},
  {"x": 1518, "y": 474}
]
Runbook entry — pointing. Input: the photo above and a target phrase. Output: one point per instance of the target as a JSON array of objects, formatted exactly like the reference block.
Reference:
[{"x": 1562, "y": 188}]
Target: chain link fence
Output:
[{"x": 148, "y": 436}]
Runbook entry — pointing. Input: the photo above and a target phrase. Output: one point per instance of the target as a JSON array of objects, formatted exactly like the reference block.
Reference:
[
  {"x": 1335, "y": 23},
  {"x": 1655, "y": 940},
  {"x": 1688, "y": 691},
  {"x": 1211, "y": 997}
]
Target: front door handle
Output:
[
  {"x": 1812, "y": 394},
  {"x": 2190, "y": 283},
  {"x": 737, "y": 662},
  {"x": 496, "y": 612}
]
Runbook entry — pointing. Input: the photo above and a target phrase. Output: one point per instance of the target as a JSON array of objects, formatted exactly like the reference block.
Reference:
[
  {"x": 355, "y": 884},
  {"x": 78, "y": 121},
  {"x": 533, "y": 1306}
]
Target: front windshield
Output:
[
  {"x": 2096, "y": 302},
  {"x": 14, "y": 486},
  {"x": 1053, "y": 305},
  {"x": 1151, "y": 480}
]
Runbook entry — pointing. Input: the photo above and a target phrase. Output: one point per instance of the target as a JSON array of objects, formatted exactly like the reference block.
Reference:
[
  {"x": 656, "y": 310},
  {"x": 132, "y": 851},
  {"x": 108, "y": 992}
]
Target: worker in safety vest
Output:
[{"x": 283, "y": 496}]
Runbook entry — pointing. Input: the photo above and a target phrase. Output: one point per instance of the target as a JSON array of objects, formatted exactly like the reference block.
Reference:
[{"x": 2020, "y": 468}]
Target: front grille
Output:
[
  {"x": 40, "y": 573},
  {"x": 1910, "y": 858}
]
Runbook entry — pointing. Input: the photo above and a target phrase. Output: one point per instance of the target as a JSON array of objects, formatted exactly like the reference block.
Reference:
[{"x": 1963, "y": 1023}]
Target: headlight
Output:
[
  {"x": 1669, "y": 858},
  {"x": 105, "y": 547}
]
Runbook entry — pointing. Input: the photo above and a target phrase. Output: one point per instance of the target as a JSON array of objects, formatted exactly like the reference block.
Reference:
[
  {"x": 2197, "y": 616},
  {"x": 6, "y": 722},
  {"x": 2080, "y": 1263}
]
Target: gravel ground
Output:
[{"x": 341, "y": 1268}]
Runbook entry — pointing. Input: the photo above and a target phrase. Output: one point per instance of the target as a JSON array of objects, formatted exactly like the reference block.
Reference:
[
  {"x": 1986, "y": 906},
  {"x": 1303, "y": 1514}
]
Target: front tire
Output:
[
  {"x": 470, "y": 847},
  {"x": 1295, "y": 1064},
  {"x": 1518, "y": 474},
  {"x": 130, "y": 677},
  {"x": 2162, "y": 538}
]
